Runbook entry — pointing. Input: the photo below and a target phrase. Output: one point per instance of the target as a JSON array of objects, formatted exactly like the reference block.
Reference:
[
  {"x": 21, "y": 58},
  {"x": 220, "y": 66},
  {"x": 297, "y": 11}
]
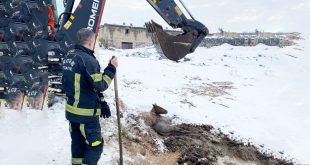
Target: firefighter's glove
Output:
[{"x": 105, "y": 110}]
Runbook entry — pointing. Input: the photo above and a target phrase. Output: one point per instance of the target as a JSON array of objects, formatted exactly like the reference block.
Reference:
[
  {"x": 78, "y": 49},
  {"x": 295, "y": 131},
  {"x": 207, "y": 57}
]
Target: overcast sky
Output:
[{"x": 232, "y": 15}]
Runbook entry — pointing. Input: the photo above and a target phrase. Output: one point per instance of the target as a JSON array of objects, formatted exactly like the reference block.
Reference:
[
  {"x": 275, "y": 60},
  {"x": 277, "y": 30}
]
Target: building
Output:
[
  {"x": 125, "y": 37},
  {"x": 129, "y": 37}
]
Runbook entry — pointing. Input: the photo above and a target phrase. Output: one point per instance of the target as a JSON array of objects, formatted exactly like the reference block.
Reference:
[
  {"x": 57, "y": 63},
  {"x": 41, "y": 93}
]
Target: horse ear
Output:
[{"x": 159, "y": 110}]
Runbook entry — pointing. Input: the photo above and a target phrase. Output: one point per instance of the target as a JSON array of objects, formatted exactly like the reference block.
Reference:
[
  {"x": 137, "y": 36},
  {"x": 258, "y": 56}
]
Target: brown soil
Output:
[
  {"x": 147, "y": 156},
  {"x": 198, "y": 145},
  {"x": 214, "y": 89},
  {"x": 188, "y": 144}
]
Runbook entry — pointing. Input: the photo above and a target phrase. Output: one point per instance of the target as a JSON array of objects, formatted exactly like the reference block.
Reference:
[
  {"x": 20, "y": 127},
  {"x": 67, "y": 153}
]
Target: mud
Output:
[
  {"x": 199, "y": 145},
  {"x": 194, "y": 144}
]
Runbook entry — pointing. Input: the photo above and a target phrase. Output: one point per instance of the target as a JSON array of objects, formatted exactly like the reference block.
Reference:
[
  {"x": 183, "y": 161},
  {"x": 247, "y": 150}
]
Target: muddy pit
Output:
[
  {"x": 199, "y": 145},
  {"x": 148, "y": 133}
]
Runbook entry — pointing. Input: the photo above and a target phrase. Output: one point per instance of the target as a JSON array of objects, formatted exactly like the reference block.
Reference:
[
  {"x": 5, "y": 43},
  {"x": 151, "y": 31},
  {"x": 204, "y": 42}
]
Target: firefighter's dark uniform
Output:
[{"x": 82, "y": 81}]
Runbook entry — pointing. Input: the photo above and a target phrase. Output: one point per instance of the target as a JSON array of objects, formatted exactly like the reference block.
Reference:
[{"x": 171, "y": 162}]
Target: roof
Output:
[{"x": 133, "y": 27}]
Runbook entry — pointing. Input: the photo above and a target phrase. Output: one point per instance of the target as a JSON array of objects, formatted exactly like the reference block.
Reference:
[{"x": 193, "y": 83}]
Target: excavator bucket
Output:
[{"x": 174, "y": 47}]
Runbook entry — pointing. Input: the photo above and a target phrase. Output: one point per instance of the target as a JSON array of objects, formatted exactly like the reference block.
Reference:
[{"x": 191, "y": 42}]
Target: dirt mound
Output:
[
  {"x": 199, "y": 145},
  {"x": 194, "y": 144}
]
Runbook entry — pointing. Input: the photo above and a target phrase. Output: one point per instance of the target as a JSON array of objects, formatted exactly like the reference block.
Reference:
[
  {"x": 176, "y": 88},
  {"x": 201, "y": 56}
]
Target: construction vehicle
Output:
[
  {"x": 171, "y": 46},
  {"x": 88, "y": 14},
  {"x": 30, "y": 46},
  {"x": 23, "y": 59},
  {"x": 174, "y": 47}
]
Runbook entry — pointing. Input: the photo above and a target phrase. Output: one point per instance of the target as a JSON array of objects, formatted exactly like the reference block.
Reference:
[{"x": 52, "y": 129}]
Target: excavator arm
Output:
[
  {"x": 88, "y": 13},
  {"x": 175, "y": 47}
]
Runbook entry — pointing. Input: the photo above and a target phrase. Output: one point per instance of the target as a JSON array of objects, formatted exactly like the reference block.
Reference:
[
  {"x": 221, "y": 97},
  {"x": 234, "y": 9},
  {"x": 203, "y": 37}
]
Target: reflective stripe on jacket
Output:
[{"x": 82, "y": 81}]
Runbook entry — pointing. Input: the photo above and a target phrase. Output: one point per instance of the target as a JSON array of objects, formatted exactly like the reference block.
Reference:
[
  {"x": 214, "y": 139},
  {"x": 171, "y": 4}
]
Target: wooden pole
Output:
[{"x": 118, "y": 121}]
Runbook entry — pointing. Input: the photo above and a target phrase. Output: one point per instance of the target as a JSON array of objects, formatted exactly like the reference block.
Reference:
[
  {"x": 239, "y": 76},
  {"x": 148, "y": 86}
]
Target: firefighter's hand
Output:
[
  {"x": 105, "y": 110},
  {"x": 49, "y": 29},
  {"x": 114, "y": 61}
]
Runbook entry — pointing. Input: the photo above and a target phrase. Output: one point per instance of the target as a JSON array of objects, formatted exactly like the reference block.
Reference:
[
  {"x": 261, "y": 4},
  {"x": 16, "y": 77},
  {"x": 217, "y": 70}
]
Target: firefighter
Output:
[
  {"x": 51, "y": 22},
  {"x": 83, "y": 84}
]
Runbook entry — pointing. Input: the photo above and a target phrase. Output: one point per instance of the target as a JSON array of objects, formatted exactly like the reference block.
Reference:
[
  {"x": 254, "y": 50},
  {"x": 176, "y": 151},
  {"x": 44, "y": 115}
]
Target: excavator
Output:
[
  {"x": 88, "y": 13},
  {"x": 32, "y": 50}
]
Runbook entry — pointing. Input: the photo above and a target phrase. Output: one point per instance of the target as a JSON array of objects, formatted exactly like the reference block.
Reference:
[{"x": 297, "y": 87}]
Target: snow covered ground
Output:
[
  {"x": 260, "y": 93},
  {"x": 269, "y": 103}
]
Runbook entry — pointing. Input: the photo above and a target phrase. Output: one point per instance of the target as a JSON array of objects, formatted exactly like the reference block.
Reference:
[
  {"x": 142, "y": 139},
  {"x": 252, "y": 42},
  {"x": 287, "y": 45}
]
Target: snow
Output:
[{"x": 267, "y": 103}]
